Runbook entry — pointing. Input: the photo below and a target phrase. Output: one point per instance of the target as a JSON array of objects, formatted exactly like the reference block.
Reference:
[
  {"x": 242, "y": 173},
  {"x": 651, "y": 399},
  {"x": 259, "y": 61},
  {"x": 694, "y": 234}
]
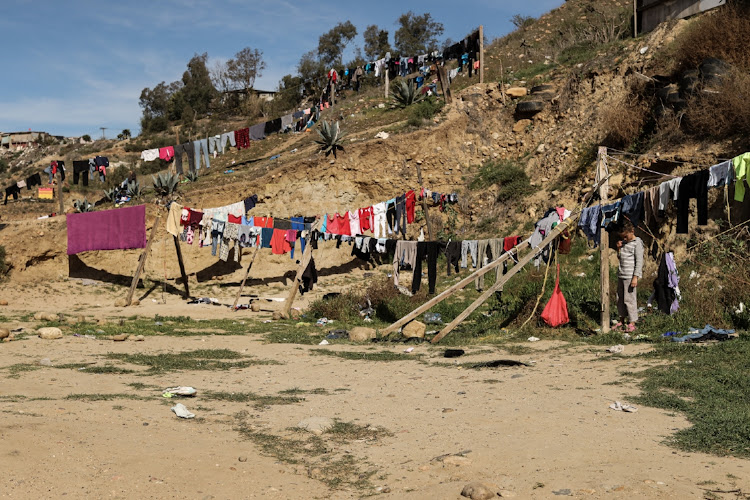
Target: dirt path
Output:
[{"x": 420, "y": 428}]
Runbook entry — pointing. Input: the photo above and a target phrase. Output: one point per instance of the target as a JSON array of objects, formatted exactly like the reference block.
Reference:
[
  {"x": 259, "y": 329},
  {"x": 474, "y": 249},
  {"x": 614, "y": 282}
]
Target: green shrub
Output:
[
  {"x": 4, "y": 266},
  {"x": 424, "y": 110},
  {"x": 512, "y": 179},
  {"x": 3, "y": 165}
]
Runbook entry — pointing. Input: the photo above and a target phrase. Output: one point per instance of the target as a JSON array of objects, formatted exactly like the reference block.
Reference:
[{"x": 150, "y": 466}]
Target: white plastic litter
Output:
[
  {"x": 534, "y": 339},
  {"x": 617, "y": 406},
  {"x": 615, "y": 349},
  {"x": 181, "y": 391},
  {"x": 324, "y": 342},
  {"x": 182, "y": 412}
]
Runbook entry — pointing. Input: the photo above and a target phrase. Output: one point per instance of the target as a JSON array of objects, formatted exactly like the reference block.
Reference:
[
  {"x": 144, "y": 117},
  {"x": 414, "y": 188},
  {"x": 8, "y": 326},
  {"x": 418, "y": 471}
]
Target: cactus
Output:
[
  {"x": 405, "y": 94},
  {"x": 192, "y": 176},
  {"x": 134, "y": 190},
  {"x": 165, "y": 184},
  {"x": 83, "y": 206},
  {"x": 109, "y": 194},
  {"x": 330, "y": 138}
]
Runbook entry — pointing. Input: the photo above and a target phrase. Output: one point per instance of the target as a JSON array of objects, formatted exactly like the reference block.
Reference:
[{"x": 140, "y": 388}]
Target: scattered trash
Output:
[
  {"x": 617, "y": 406},
  {"x": 499, "y": 362},
  {"x": 45, "y": 362},
  {"x": 580, "y": 275},
  {"x": 616, "y": 349},
  {"x": 643, "y": 50},
  {"x": 322, "y": 322},
  {"x": 158, "y": 323},
  {"x": 229, "y": 171},
  {"x": 324, "y": 342},
  {"x": 182, "y": 412},
  {"x": 408, "y": 350},
  {"x": 337, "y": 334},
  {"x": 433, "y": 318},
  {"x": 740, "y": 309},
  {"x": 179, "y": 391},
  {"x": 293, "y": 150},
  {"x": 705, "y": 334},
  {"x": 274, "y": 157},
  {"x": 204, "y": 300},
  {"x": 642, "y": 338},
  {"x": 382, "y": 135},
  {"x": 626, "y": 336},
  {"x": 367, "y": 319},
  {"x": 533, "y": 339},
  {"x": 453, "y": 353},
  {"x": 694, "y": 275}
]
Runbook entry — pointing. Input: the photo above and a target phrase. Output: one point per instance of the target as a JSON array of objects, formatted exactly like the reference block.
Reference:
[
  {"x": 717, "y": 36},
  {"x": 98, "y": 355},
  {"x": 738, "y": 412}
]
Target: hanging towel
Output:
[{"x": 118, "y": 229}]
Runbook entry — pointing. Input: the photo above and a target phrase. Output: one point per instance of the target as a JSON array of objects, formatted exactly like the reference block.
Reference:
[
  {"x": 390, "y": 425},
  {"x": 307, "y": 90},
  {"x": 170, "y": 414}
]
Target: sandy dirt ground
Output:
[{"x": 537, "y": 431}]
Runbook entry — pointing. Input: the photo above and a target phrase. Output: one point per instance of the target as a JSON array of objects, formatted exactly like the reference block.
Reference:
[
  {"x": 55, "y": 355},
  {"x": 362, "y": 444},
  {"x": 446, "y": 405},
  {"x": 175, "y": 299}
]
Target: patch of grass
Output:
[
  {"x": 12, "y": 398},
  {"x": 368, "y": 356},
  {"x": 87, "y": 368},
  {"x": 250, "y": 397},
  {"x": 423, "y": 111},
  {"x": 202, "y": 359},
  {"x": 102, "y": 397},
  {"x": 296, "y": 390},
  {"x": 15, "y": 371},
  {"x": 349, "y": 431},
  {"x": 709, "y": 384},
  {"x": 140, "y": 386},
  {"x": 508, "y": 175}
]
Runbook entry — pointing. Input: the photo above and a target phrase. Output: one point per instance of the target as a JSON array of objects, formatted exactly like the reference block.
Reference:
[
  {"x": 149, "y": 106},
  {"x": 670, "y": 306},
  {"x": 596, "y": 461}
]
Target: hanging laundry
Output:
[
  {"x": 12, "y": 190},
  {"x": 379, "y": 219},
  {"x": 589, "y": 223},
  {"x": 632, "y": 207},
  {"x": 453, "y": 255},
  {"x": 482, "y": 247},
  {"x": 694, "y": 185},
  {"x": 405, "y": 254},
  {"x": 272, "y": 127},
  {"x": 651, "y": 206},
  {"x": 119, "y": 229},
  {"x": 429, "y": 250},
  {"x": 666, "y": 285},
  {"x": 721, "y": 175},
  {"x": 166, "y": 153},
  {"x": 667, "y": 189},
  {"x": 242, "y": 137},
  {"x": 250, "y": 202},
  {"x": 33, "y": 180},
  {"x": 309, "y": 277},
  {"x": 469, "y": 247},
  {"x": 227, "y": 136},
  {"x": 150, "y": 154},
  {"x": 741, "y": 170},
  {"x": 188, "y": 149},
  {"x": 201, "y": 145},
  {"x": 82, "y": 167},
  {"x": 354, "y": 223},
  {"x": 365, "y": 219},
  {"x": 279, "y": 244},
  {"x": 410, "y": 205}
]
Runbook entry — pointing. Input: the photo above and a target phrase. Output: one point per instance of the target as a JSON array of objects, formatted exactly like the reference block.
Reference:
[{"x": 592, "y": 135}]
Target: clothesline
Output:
[{"x": 655, "y": 158}]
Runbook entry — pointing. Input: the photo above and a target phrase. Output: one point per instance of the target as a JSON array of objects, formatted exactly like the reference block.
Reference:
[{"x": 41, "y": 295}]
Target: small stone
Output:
[
  {"x": 477, "y": 491},
  {"x": 121, "y": 303},
  {"x": 137, "y": 338},
  {"x": 3, "y": 302},
  {"x": 362, "y": 334},
  {"x": 255, "y": 307},
  {"x": 540, "y": 148},
  {"x": 50, "y": 333},
  {"x": 448, "y": 410},
  {"x": 516, "y": 91},
  {"x": 120, "y": 337},
  {"x": 4, "y": 333},
  {"x": 316, "y": 425},
  {"x": 135, "y": 302},
  {"x": 507, "y": 494},
  {"x": 414, "y": 330},
  {"x": 521, "y": 126},
  {"x": 45, "y": 362},
  {"x": 242, "y": 458},
  {"x": 562, "y": 493},
  {"x": 277, "y": 315}
]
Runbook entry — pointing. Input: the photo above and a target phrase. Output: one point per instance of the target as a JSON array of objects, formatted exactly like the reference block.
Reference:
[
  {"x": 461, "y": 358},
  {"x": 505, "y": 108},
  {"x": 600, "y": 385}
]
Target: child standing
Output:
[{"x": 630, "y": 252}]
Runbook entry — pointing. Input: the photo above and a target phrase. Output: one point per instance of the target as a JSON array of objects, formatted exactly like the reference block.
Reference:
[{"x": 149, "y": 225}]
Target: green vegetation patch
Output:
[
  {"x": 368, "y": 356},
  {"x": 202, "y": 359},
  {"x": 511, "y": 178},
  {"x": 250, "y": 397}
]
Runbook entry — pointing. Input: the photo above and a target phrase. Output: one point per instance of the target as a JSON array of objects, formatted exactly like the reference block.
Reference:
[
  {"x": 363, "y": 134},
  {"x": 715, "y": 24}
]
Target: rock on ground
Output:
[
  {"x": 477, "y": 491},
  {"x": 362, "y": 334},
  {"x": 414, "y": 330},
  {"x": 50, "y": 333}
]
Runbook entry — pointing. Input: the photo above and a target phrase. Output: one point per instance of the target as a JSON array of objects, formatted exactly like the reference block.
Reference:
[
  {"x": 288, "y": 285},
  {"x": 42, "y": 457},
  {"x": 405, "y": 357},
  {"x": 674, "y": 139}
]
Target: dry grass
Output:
[
  {"x": 723, "y": 112},
  {"x": 623, "y": 121},
  {"x": 721, "y": 34}
]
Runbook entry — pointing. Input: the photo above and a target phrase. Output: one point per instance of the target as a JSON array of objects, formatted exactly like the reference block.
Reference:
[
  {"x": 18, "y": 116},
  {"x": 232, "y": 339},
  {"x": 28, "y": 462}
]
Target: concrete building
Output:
[
  {"x": 22, "y": 140},
  {"x": 650, "y": 13}
]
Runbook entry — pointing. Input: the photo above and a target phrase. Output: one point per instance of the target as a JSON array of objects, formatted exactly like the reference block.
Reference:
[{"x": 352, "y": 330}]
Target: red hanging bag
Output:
[{"x": 556, "y": 311}]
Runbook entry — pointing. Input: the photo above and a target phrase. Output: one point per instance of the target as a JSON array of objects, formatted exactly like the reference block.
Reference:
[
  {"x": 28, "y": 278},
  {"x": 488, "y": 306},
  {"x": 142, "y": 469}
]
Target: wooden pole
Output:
[
  {"x": 247, "y": 272},
  {"x": 182, "y": 267},
  {"x": 557, "y": 231},
  {"x": 424, "y": 204},
  {"x": 306, "y": 256},
  {"x": 635, "y": 18},
  {"x": 445, "y": 85},
  {"x": 453, "y": 289},
  {"x": 142, "y": 261},
  {"x": 601, "y": 173},
  {"x": 60, "y": 190},
  {"x": 387, "y": 82},
  {"x": 481, "y": 53}
]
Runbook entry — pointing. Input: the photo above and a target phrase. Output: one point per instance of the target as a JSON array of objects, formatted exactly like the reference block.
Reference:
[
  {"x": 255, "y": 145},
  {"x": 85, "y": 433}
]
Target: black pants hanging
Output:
[
  {"x": 692, "y": 186},
  {"x": 12, "y": 190},
  {"x": 431, "y": 250},
  {"x": 81, "y": 167}
]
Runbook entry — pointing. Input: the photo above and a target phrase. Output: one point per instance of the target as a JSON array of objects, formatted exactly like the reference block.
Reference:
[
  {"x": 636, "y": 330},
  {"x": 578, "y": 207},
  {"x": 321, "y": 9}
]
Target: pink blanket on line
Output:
[{"x": 118, "y": 229}]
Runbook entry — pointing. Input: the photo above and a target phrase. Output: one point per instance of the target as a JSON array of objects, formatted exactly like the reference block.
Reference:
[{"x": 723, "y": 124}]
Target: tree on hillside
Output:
[
  {"x": 198, "y": 90},
  {"x": 126, "y": 133},
  {"x": 219, "y": 76},
  {"x": 154, "y": 101},
  {"x": 417, "y": 34},
  {"x": 312, "y": 72},
  {"x": 376, "y": 42},
  {"x": 331, "y": 44},
  {"x": 522, "y": 22},
  {"x": 245, "y": 67}
]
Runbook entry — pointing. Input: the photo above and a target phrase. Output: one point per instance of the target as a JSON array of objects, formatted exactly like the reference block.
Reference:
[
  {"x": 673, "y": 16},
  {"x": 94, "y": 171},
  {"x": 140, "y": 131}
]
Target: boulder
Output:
[
  {"x": 516, "y": 91},
  {"x": 362, "y": 334},
  {"x": 135, "y": 302},
  {"x": 137, "y": 338},
  {"x": 477, "y": 491},
  {"x": 277, "y": 315},
  {"x": 50, "y": 333},
  {"x": 414, "y": 330},
  {"x": 121, "y": 303},
  {"x": 120, "y": 337},
  {"x": 255, "y": 307},
  {"x": 43, "y": 316},
  {"x": 3, "y": 302},
  {"x": 4, "y": 333}
]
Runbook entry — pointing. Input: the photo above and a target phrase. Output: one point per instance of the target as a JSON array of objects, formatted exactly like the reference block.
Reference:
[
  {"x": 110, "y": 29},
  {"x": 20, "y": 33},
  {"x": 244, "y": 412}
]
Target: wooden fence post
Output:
[
  {"x": 60, "y": 191},
  {"x": 247, "y": 272},
  {"x": 601, "y": 173},
  {"x": 142, "y": 261},
  {"x": 182, "y": 266},
  {"x": 306, "y": 256},
  {"x": 481, "y": 53},
  {"x": 424, "y": 204}
]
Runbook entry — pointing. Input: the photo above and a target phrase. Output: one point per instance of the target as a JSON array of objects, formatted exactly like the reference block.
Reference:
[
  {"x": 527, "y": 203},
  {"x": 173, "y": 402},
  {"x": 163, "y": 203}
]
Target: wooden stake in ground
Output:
[
  {"x": 60, "y": 191},
  {"x": 601, "y": 173},
  {"x": 424, "y": 204},
  {"x": 306, "y": 256},
  {"x": 387, "y": 82},
  {"x": 182, "y": 267},
  {"x": 247, "y": 272},
  {"x": 481, "y": 53},
  {"x": 445, "y": 85},
  {"x": 142, "y": 261}
]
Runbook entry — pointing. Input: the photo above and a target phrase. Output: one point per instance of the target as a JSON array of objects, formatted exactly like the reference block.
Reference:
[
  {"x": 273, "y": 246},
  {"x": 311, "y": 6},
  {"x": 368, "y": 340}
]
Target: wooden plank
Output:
[
  {"x": 306, "y": 255},
  {"x": 445, "y": 85},
  {"x": 453, "y": 289},
  {"x": 424, "y": 204},
  {"x": 182, "y": 267},
  {"x": 60, "y": 191},
  {"x": 481, "y": 53},
  {"x": 601, "y": 168},
  {"x": 499, "y": 284},
  {"x": 247, "y": 272},
  {"x": 142, "y": 260}
]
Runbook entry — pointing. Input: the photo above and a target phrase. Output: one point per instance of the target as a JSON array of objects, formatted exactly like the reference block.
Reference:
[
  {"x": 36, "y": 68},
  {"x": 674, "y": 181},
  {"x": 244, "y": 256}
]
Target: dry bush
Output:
[
  {"x": 724, "y": 111},
  {"x": 668, "y": 130},
  {"x": 721, "y": 34},
  {"x": 623, "y": 122}
]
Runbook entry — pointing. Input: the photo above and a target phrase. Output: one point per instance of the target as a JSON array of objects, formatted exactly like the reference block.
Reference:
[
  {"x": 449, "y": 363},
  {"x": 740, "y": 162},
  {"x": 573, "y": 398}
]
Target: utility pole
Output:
[
  {"x": 601, "y": 173},
  {"x": 103, "y": 129}
]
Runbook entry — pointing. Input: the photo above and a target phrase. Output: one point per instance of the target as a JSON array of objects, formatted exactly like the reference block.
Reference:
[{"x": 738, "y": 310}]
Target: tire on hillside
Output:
[
  {"x": 541, "y": 89},
  {"x": 689, "y": 81},
  {"x": 713, "y": 66},
  {"x": 529, "y": 106}
]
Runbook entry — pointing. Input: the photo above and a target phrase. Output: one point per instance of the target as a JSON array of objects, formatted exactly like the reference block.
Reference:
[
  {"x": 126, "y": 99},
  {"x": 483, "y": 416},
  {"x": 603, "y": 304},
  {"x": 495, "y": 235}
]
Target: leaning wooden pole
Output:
[
  {"x": 601, "y": 175},
  {"x": 424, "y": 204},
  {"x": 495, "y": 264},
  {"x": 182, "y": 267},
  {"x": 481, "y": 53},
  {"x": 60, "y": 190},
  {"x": 555, "y": 233},
  {"x": 306, "y": 256},
  {"x": 142, "y": 261},
  {"x": 247, "y": 273}
]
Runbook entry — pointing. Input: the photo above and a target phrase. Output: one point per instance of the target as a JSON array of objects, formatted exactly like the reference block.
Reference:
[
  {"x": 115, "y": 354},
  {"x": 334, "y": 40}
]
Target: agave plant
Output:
[
  {"x": 109, "y": 194},
  {"x": 192, "y": 176},
  {"x": 134, "y": 190},
  {"x": 165, "y": 184},
  {"x": 405, "y": 94},
  {"x": 83, "y": 206},
  {"x": 331, "y": 137}
]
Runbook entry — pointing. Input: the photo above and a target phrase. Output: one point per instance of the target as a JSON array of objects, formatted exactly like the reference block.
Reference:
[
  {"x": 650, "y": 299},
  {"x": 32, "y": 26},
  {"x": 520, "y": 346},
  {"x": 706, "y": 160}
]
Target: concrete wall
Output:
[{"x": 649, "y": 13}]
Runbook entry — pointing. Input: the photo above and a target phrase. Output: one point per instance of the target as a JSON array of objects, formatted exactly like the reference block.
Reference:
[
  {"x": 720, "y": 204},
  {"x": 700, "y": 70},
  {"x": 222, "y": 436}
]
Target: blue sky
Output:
[{"x": 70, "y": 67}]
